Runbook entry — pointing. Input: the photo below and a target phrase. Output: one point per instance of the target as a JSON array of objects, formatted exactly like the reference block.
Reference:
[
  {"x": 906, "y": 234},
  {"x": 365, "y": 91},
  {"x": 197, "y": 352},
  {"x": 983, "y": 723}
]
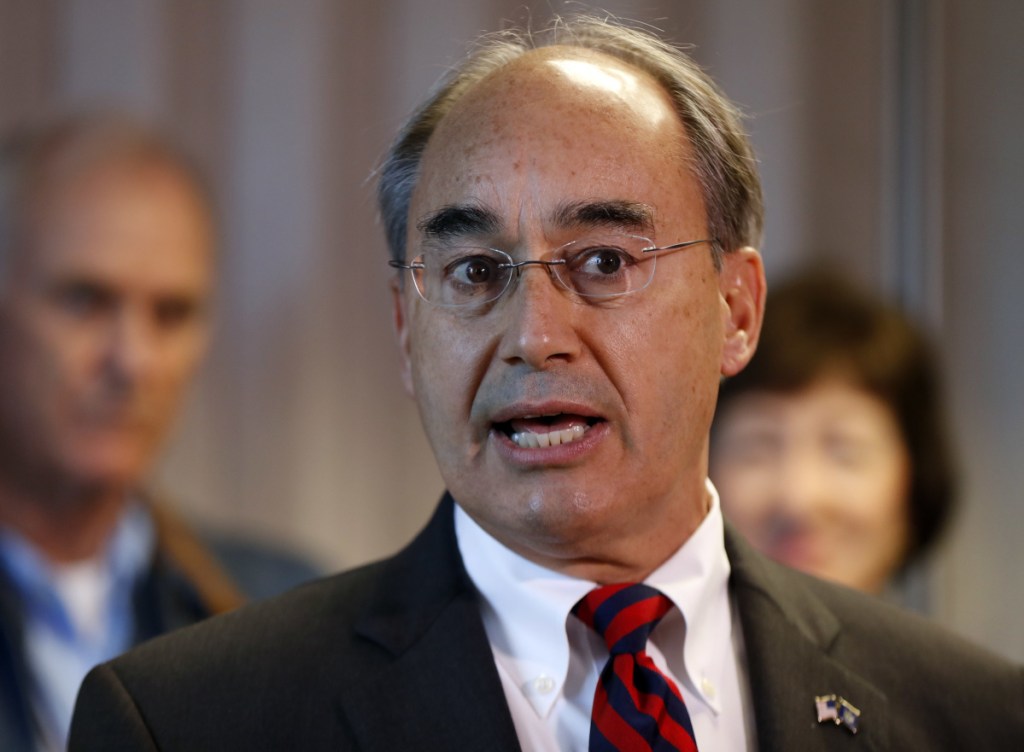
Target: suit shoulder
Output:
[
  {"x": 221, "y": 682},
  {"x": 898, "y": 650},
  {"x": 286, "y": 630},
  {"x": 846, "y": 621},
  {"x": 911, "y": 656},
  {"x": 873, "y": 624},
  {"x": 935, "y": 689}
]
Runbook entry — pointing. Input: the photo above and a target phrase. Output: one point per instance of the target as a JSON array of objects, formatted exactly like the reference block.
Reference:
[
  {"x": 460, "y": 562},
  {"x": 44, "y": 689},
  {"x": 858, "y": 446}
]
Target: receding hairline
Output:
[
  {"x": 38, "y": 164},
  {"x": 712, "y": 124},
  {"x": 535, "y": 56},
  {"x": 77, "y": 148},
  {"x": 499, "y": 90},
  {"x": 524, "y": 68}
]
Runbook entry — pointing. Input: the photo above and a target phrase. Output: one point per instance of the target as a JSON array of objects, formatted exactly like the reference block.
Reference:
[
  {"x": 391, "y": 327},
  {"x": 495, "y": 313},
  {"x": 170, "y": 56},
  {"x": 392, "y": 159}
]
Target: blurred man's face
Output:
[
  {"x": 529, "y": 161},
  {"x": 102, "y": 323}
]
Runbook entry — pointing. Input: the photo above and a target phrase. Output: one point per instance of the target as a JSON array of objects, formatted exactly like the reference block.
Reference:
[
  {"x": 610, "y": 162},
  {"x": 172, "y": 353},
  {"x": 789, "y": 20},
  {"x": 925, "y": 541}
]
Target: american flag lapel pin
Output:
[
  {"x": 826, "y": 707},
  {"x": 838, "y": 710}
]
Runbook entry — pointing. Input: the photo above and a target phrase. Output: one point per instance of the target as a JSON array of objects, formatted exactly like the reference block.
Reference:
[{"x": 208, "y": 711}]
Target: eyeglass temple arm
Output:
[
  {"x": 677, "y": 246},
  {"x": 400, "y": 265}
]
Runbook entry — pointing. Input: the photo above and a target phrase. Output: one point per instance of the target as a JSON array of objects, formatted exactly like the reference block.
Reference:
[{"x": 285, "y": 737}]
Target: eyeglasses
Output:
[{"x": 602, "y": 266}]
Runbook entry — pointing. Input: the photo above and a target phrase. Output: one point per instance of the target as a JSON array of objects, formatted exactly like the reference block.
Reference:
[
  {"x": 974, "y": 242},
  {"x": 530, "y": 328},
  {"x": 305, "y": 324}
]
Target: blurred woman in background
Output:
[{"x": 830, "y": 449}]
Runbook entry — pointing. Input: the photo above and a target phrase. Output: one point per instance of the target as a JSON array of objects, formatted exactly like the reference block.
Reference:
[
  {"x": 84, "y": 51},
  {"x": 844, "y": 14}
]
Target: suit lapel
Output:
[
  {"x": 423, "y": 674},
  {"x": 426, "y": 677},
  {"x": 788, "y": 635}
]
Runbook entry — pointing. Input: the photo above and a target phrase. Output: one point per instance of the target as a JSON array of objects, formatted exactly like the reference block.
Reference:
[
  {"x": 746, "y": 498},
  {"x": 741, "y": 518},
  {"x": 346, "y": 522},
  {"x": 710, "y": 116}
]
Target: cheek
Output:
[
  {"x": 743, "y": 487},
  {"x": 53, "y": 366},
  {"x": 65, "y": 360},
  {"x": 36, "y": 402},
  {"x": 437, "y": 357},
  {"x": 884, "y": 529},
  {"x": 888, "y": 487},
  {"x": 173, "y": 380},
  {"x": 873, "y": 509},
  {"x": 446, "y": 362},
  {"x": 183, "y": 355},
  {"x": 681, "y": 353}
]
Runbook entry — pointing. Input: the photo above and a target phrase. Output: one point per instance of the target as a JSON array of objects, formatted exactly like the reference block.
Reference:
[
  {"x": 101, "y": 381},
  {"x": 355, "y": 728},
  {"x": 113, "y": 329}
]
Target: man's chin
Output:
[
  {"x": 552, "y": 520},
  {"x": 106, "y": 471}
]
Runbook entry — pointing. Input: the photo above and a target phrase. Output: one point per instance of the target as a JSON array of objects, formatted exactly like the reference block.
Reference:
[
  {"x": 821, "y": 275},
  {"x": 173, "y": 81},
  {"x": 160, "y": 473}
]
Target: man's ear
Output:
[
  {"x": 401, "y": 323},
  {"x": 742, "y": 286}
]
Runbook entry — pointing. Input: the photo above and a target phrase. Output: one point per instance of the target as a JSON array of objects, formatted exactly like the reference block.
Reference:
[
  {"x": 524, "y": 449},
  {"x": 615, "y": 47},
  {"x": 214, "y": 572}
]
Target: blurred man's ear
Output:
[
  {"x": 742, "y": 286},
  {"x": 401, "y": 324}
]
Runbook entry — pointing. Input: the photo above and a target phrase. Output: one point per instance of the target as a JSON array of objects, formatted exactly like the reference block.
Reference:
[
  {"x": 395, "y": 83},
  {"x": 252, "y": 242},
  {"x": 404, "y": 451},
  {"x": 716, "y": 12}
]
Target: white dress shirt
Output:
[{"x": 549, "y": 661}]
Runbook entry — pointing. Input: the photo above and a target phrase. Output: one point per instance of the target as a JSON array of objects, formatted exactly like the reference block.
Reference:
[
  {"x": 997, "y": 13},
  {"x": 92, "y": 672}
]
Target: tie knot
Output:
[{"x": 623, "y": 614}]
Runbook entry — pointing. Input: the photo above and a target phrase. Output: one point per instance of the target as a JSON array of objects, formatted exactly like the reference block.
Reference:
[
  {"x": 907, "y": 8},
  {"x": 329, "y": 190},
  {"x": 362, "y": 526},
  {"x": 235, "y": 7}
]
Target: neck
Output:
[
  {"x": 67, "y": 521},
  {"x": 611, "y": 555}
]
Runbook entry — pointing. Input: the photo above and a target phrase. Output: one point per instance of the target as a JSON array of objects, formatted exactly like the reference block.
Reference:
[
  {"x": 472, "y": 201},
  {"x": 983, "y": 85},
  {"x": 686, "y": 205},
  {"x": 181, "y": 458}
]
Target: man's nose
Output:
[
  {"x": 132, "y": 345},
  {"x": 539, "y": 319}
]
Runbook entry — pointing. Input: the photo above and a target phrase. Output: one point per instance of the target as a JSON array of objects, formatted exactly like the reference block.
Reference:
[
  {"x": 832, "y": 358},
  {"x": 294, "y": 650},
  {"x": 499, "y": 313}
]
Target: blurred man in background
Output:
[{"x": 106, "y": 273}]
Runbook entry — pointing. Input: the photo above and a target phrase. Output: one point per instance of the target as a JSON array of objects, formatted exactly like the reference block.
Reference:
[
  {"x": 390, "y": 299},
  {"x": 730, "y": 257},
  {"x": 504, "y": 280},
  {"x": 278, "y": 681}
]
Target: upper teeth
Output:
[{"x": 530, "y": 440}]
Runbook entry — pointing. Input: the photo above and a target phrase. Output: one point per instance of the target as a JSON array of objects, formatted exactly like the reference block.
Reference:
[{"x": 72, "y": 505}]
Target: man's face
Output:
[
  {"x": 556, "y": 146},
  {"x": 102, "y": 322}
]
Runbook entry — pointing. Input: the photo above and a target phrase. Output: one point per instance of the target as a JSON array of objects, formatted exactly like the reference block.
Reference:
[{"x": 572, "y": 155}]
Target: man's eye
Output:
[
  {"x": 83, "y": 299},
  {"x": 605, "y": 261},
  {"x": 473, "y": 270},
  {"x": 172, "y": 313}
]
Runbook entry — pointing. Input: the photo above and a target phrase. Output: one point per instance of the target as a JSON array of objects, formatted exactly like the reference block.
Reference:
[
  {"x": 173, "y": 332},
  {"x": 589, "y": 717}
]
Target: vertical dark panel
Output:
[
  {"x": 844, "y": 68},
  {"x": 196, "y": 82},
  {"x": 912, "y": 192},
  {"x": 27, "y": 59},
  {"x": 811, "y": 80}
]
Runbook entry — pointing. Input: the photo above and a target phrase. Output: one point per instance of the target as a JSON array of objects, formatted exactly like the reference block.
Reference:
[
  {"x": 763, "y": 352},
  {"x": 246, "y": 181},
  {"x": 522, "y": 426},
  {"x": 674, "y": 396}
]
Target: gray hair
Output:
[
  {"x": 724, "y": 160},
  {"x": 34, "y": 159}
]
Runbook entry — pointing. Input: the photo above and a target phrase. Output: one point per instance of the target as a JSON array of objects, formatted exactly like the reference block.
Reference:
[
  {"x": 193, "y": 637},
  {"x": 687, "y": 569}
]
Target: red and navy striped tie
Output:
[{"x": 636, "y": 707}]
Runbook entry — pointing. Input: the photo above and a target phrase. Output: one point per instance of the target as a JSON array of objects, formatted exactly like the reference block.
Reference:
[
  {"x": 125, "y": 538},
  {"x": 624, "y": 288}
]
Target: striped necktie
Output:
[{"x": 636, "y": 707}]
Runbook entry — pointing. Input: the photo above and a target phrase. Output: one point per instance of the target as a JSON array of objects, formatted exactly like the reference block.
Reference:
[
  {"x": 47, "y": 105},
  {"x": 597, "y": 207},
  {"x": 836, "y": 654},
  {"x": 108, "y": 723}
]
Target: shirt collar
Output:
[
  {"x": 525, "y": 608},
  {"x": 696, "y": 580},
  {"x": 122, "y": 561}
]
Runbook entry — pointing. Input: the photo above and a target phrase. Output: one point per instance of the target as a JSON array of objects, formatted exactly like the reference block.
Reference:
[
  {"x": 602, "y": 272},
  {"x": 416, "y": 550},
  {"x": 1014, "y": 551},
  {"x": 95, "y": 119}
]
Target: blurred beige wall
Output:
[{"x": 889, "y": 135}]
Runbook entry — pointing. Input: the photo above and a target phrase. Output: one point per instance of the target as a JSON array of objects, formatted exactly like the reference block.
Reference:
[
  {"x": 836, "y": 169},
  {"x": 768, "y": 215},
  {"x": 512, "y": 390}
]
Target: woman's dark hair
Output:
[{"x": 818, "y": 325}]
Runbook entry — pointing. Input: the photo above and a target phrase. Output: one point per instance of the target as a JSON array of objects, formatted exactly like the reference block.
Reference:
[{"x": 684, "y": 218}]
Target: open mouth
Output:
[{"x": 540, "y": 431}]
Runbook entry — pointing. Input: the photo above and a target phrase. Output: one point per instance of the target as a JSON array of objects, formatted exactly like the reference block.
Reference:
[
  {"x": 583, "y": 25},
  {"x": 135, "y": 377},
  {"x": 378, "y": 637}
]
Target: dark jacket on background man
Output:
[{"x": 189, "y": 580}]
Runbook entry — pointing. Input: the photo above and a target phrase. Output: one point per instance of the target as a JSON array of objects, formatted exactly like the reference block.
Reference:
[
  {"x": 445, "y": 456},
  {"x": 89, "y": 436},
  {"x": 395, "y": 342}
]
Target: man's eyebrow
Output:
[
  {"x": 459, "y": 221},
  {"x": 631, "y": 215}
]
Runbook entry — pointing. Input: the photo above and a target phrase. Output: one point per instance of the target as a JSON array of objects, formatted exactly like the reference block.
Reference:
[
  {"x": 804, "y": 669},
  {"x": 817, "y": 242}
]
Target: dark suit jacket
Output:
[
  {"x": 393, "y": 656},
  {"x": 188, "y": 580}
]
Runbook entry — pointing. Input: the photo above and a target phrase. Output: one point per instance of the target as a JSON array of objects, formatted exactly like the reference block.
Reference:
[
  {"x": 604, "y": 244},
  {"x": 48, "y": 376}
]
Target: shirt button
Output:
[
  {"x": 707, "y": 688},
  {"x": 543, "y": 684}
]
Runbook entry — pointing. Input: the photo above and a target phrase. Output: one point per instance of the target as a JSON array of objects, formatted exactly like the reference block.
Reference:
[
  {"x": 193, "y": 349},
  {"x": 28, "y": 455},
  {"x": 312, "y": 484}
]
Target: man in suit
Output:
[
  {"x": 106, "y": 249},
  {"x": 567, "y": 388}
]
